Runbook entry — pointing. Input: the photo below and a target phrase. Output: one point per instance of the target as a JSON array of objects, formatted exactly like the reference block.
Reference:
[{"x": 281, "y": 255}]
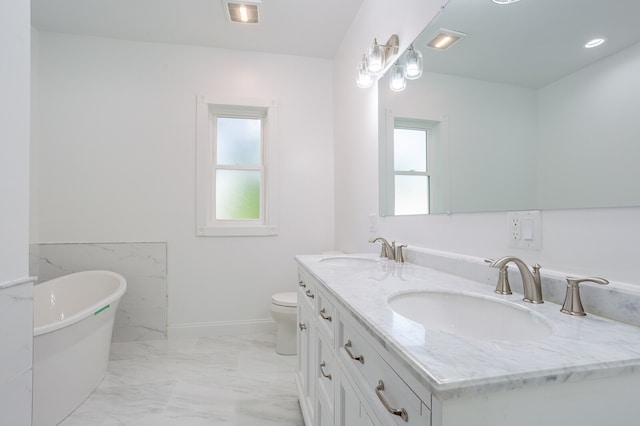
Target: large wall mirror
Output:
[{"x": 520, "y": 114}]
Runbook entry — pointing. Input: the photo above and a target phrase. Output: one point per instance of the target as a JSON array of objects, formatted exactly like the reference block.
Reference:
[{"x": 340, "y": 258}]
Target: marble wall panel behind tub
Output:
[{"x": 142, "y": 314}]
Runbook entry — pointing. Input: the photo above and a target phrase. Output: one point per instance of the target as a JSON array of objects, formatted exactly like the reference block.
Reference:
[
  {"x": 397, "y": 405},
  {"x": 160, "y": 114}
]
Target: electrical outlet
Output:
[
  {"x": 514, "y": 228},
  {"x": 373, "y": 223},
  {"x": 525, "y": 230}
]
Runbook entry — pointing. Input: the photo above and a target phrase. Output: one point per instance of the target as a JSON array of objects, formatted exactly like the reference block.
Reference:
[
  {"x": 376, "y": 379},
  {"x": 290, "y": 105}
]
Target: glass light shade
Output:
[
  {"x": 413, "y": 64},
  {"x": 375, "y": 59},
  {"x": 397, "y": 82},
  {"x": 364, "y": 79}
]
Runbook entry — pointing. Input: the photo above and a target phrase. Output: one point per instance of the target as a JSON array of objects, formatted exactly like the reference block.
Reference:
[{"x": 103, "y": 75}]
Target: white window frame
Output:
[{"x": 206, "y": 113}]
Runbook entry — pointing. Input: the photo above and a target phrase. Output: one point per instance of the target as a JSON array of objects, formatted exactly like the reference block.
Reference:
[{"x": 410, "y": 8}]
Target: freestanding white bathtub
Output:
[{"x": 73, "y": 323}]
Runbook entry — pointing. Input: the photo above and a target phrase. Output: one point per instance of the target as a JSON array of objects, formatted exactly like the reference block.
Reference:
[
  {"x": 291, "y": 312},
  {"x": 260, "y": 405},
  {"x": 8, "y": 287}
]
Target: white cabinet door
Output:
[
  {"x": 347, "y": 404},
  {"x": 324, "y": 411},
  {"x": 305, "y": 376}
]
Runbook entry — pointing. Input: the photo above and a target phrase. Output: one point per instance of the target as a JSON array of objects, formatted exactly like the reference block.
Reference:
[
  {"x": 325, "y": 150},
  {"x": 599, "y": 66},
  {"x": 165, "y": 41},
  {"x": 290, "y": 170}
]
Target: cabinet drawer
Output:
[
  {"x": 326, "y": 315},
  {"x": 392, "y": 399},
  {"x": 306, "y": 290}
]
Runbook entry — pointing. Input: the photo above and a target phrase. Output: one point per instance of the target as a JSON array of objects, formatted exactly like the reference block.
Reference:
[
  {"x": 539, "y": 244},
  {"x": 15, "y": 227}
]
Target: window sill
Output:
[{"x": 238, "y": 231}]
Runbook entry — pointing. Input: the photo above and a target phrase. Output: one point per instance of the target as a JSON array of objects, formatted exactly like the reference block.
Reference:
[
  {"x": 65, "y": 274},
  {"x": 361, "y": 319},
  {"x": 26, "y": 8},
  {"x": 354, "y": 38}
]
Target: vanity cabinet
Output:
[
  {"x": 342, "y": 378},
  {"x": 361, "y": 363},
  {"x": 305, "y": 374}
]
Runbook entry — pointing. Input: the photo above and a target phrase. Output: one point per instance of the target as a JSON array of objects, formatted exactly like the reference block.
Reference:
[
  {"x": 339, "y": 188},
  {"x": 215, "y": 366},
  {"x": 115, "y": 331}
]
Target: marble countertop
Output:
[{"x": 452, "y": 366}]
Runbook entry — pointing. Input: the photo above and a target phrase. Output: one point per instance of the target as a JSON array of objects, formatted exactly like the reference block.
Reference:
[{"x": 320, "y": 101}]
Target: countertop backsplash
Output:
[{"x": 617, "y": 301}]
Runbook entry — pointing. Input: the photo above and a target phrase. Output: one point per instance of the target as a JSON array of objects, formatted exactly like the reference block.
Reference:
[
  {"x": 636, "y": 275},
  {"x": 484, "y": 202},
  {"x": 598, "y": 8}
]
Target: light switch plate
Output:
[
  {"x": 524, "y": 229},
  {"x": 373, "y": 223}
]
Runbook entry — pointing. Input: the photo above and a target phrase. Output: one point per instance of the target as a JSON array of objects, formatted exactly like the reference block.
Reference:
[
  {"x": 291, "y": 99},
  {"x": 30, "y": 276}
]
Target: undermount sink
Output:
[
  {"x": 470, "y": 316},
  {"x": 349, "y": 260}
]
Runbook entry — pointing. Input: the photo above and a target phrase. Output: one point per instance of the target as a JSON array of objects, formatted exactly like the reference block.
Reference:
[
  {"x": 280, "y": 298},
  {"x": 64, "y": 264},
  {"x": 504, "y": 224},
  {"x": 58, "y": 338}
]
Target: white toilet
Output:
[{"x": 284, "y": 309}]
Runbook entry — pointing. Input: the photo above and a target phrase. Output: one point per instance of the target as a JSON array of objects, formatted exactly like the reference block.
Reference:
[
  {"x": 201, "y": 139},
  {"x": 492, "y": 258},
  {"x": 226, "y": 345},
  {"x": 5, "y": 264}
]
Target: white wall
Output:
[
  {"x": 583, "y": 242},
  {"x": 16, "y": 290},
  {"x": 117, "y": 163},
  {"x": 14, "y": 140}
]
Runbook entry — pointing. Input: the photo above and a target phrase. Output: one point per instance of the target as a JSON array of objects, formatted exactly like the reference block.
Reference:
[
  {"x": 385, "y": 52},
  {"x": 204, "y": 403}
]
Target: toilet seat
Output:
[{"x": 289, "y": 299}]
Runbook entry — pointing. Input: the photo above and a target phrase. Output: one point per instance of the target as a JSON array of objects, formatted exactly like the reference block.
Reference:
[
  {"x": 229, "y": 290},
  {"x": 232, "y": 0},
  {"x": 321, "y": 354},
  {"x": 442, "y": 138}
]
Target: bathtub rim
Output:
[{"x": 89, "y": 310}]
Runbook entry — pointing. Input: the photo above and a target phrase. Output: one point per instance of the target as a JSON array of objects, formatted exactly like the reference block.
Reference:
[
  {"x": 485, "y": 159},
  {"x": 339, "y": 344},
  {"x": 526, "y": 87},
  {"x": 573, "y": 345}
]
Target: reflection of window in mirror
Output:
[{"x": 411, "y": 172}]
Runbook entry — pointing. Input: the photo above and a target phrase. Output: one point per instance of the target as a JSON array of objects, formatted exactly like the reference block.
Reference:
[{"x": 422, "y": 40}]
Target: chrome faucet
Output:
[
  {"x": 502, "y": 287},
  {"x": 530, "y": 280},
  {"x": 388, "y": 250}
]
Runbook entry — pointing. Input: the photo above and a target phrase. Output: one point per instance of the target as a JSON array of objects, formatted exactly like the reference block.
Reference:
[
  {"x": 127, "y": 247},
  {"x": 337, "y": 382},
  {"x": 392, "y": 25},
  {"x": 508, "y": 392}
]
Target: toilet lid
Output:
[{"x": 285, "y": 299}]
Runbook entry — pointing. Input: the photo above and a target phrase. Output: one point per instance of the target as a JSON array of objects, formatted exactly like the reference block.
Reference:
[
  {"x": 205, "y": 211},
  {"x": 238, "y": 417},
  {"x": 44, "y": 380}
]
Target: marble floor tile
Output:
[{"x": 214, "y": 381}]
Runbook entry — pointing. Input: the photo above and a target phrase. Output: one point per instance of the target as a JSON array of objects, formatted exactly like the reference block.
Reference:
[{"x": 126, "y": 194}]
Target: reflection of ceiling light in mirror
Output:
[
  {"x": 243, "y": 12},
  {"x": 594, "y": 43},
  {"x": 505, "y": 1},
  {"x": 445, "y": 39}
]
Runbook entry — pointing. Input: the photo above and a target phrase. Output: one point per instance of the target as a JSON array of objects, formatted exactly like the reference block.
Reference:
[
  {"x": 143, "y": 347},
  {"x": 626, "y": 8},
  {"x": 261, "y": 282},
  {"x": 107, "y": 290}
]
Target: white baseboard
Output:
[{"x": 209, "y": 329}]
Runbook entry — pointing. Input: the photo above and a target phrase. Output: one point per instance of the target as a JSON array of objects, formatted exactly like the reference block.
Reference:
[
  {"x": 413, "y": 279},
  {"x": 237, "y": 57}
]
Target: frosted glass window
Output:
[
  {"x": 236, "y": 167},
  {"x": 411, "y": 195},
  {"x": 237, "y": 195},
  {"x": 410, "y": 150},
  {"x": 238, "y": 141}
]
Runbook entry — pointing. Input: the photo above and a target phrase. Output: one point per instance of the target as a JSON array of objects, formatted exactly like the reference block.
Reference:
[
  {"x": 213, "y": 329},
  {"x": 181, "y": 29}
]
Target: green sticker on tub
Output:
[{"x": 100, "y": 310}]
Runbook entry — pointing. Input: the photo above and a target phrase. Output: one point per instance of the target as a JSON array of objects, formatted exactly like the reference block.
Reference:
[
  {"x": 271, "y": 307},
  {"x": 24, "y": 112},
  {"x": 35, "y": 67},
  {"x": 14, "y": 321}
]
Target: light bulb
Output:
[
  {"x": 397, "y": 82},
  {"x": 375, "y": 59},
  {"x": 243, "y": 13},
  {"x": 364, "y": 79},
  {"x": 413, "y": 63}
]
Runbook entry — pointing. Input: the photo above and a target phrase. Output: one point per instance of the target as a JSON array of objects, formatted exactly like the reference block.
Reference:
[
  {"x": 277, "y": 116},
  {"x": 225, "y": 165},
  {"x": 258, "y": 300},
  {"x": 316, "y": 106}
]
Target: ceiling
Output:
[
  {"x": 530, "y": 43},
  {"x": 295, "y": 27}
]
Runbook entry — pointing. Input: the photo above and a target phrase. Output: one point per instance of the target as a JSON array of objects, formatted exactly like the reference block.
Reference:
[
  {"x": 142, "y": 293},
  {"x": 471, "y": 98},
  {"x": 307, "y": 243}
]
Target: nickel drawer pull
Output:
[
  {"x": 322, "y": 366},
  {"x": 309, "y": 294},
  {"x": 302, "y": 326},
  {"x": 347, "y": 347},
  {"x": 395, "y": 411},
  {"x": 323, "y": 314},
  {"x": 301, "y": 284}
]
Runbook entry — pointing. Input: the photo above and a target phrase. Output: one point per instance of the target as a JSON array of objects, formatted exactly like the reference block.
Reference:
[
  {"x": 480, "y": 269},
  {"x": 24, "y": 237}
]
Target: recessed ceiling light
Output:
[
  {"x": 505, "y": 1},
  {"x": 445, "y": 39},
  {"x": 243, "y": 12},
  {"x": 594, "y": 43}
]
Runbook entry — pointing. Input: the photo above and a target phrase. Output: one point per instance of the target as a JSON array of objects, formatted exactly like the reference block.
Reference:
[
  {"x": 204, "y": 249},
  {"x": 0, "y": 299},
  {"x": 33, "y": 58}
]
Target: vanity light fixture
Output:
[
  {"x": 374, "y": 61},
  {"x": 594, "y": 43},
  {"x": 505, "y": 1},
  {"x": 243, "y": 12},
  {"x": 377, "y": 55},
  {"x": 445, "y": 39},
  {"x": 397, "y": 81}
]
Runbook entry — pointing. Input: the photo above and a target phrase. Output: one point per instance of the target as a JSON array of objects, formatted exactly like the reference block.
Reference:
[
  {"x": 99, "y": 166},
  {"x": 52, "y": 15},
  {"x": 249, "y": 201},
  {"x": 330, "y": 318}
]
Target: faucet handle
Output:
[
  {"x": 502, "y": 287},
  {"x": 572, "y": 304},
  {"x": 399, "y": 253}
]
